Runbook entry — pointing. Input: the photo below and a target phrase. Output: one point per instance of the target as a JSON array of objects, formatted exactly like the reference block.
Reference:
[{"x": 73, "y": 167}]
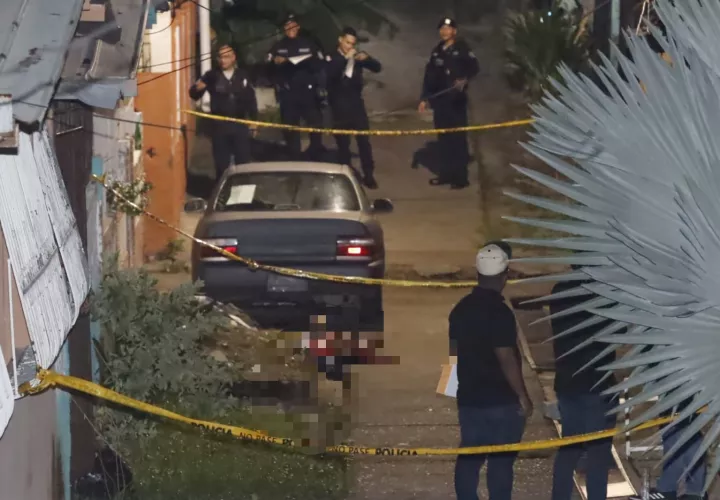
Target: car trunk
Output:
[{"x": 285, "y": 241}]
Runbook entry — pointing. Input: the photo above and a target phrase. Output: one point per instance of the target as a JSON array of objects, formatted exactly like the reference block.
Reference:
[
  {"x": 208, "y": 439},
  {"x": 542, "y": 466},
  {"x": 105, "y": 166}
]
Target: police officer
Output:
[
  {"x": 297, "y": 68},
  {"x": 345, "y": 85},
  {"x": 452, "y": 64},
  {"x": 231, "y": 95}
]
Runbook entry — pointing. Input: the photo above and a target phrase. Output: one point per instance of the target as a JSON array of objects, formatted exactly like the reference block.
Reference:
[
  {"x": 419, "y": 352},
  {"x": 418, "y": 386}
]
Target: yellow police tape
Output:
[
  {"x": 48, "y": 379},
  {"x": 469, "y": 128},
  {"x": 297, "y": 273}
]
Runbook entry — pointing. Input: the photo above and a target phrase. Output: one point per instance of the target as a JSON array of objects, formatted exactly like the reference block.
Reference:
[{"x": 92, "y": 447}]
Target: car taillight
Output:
[
  {"x": 357, "y": 247},
  {"x": 210, "y": 254}
]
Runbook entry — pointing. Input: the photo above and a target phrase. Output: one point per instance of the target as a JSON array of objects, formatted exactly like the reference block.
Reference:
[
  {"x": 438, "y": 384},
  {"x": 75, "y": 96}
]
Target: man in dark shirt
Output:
[
  {"x": 452, "y": 64},
  {"x": 231, "y": 95},
  {"x": 492, "y": 400},
  {"x": 582, "y": 408},
  {"x": 345, "y": 86},
  {"x": 297, "y": 68}
]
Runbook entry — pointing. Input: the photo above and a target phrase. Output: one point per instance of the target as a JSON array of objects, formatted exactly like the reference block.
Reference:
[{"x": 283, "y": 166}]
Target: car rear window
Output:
[{"x": 293, "y": 191}]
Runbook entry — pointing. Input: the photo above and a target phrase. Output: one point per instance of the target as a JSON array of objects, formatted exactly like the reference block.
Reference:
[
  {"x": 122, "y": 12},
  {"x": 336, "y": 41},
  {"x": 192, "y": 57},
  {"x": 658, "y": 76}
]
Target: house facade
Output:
[
  {"x": 68, "y": 64},
  {"x": 168, "y": 66}
]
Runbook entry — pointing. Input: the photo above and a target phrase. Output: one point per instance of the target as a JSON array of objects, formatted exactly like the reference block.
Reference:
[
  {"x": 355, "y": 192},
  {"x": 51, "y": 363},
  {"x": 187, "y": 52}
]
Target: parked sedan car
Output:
[{"x": 309, "y": 216}]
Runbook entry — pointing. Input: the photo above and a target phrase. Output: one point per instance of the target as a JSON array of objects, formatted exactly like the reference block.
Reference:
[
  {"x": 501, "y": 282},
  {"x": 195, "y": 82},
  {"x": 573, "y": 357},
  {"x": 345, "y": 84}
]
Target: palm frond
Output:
[{"x": 642, "y": 154}]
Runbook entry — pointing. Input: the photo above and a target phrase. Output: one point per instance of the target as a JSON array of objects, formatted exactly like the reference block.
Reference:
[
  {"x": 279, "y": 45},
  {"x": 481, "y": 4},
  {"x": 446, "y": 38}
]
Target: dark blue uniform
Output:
[
  {"x": 297, "y": 87},
  {"x": 235, "y": 98},
  {"x": 446, "y": 66},
  {"x": 348, "y": 108}
]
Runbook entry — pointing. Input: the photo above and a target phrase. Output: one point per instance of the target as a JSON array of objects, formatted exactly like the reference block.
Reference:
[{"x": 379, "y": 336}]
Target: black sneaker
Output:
[
  {"x": 370, "y": 183},
  {"x": 439, "y": 181},
  {"x": 656, "y": 495}
]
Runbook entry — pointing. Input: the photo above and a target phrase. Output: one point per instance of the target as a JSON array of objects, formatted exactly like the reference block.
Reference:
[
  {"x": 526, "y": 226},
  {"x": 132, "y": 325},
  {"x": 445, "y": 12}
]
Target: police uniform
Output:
[
  {"x": 345, "y": 86},
  {"x": 232, "y": 96},
  {"x": 447, "y": 65},
  {"x": 298, "y": 87}
]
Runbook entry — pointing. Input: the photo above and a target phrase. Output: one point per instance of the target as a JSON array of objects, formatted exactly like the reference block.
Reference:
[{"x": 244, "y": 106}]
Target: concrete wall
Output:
[
  {"x": 161, "y": 100},
  {"x": 29, "y": 465}
]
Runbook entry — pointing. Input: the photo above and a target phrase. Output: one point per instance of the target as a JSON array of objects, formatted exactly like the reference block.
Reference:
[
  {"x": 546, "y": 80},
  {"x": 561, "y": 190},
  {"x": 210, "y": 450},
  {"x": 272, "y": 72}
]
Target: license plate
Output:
[{"x": 283, "y": 284}]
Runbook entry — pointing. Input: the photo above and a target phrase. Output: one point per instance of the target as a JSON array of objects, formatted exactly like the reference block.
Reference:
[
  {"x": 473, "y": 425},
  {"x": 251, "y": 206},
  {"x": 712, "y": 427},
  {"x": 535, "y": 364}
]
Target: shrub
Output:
[
  {"x": 153, "y": 350},
  {"x": 162, "y": 348},
  {"x": 537, "y": 42}
]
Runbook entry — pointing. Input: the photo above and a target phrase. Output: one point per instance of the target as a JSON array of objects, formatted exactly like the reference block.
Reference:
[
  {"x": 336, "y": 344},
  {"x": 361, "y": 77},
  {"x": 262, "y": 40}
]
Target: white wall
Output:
[{"x": 160, "y": 40}]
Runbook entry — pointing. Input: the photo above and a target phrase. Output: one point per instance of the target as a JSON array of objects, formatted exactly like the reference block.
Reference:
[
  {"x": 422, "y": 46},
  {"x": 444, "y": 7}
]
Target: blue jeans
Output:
[
  {"x": 482, "y": 427},
  {"x": 583, "y": 414},
  {"x": 674, "y": 468}
]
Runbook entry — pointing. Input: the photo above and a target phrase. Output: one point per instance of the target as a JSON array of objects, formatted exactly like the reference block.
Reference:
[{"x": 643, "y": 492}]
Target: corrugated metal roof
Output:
[
  {"x": 103, "y": 57},
  {"x": 67, "y": 236},
  {"x": 34, "y": 36},
  {"x": 43, "y": 243}
]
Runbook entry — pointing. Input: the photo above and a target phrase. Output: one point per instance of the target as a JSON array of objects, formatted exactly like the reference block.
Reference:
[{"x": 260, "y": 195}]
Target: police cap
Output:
[
  {"x": 291, "y": 17},
  {"x": 447, "y": 21}
]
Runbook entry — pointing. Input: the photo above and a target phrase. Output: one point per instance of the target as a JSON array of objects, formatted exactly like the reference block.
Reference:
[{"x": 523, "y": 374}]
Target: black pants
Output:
[
  {"x": 294, "y": 108},
  {"x": 352, "y": 116},
  {"x": 485, "y": 426},
  {"x": 583, "y": 414},
  {"x": 454, "y": 151},
  {"x": 230, "y": 146}
]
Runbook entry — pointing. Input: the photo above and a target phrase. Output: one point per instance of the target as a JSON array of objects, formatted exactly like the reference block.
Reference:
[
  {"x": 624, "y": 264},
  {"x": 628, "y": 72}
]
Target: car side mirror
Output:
[
  {"x": 196, "y": 205},
  {"x": 382, "y": 206}
]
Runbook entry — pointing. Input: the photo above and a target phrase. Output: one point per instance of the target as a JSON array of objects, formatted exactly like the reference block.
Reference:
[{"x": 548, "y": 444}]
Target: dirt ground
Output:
[{"x": 435, "y": 231}]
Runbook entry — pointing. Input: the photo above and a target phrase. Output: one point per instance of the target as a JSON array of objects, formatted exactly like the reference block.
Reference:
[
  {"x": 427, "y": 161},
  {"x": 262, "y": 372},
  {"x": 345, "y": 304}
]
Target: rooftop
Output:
[
  {"x": 102, "y": 60},
  {"x": 34, "y": 36}
]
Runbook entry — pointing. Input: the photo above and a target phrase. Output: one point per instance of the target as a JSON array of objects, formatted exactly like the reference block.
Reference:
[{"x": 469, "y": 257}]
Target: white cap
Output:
[{"x": 491, "y": 260}]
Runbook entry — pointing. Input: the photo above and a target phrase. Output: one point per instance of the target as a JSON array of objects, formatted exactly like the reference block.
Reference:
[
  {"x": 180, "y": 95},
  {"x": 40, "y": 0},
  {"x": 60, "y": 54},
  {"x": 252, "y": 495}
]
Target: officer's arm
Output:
[
  {"x": 426, "y": 91},
  {"x": 197, "y": 90},
  {"x": 273, "y": 58},
  {"x": 371, "y": 64},
  {"x": 470, "y": 65},
  {"x": 252, "y": 100}
]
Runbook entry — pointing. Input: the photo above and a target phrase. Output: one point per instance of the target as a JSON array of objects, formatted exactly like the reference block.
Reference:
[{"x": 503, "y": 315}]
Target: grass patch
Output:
[{"x": 182, "y": 463}]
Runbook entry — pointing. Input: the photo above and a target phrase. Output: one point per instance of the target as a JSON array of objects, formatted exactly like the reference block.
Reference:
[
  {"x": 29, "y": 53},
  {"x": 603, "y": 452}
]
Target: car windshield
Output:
[{"x": 298, "y": 191}]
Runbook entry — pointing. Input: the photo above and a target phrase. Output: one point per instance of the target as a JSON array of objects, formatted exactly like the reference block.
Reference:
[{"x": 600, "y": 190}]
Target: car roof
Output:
[{"x": 290, "y": 166}]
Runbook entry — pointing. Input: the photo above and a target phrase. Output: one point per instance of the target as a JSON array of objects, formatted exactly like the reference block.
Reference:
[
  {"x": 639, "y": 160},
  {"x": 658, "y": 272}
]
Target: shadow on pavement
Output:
[{"x": 430, "y": 157}]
